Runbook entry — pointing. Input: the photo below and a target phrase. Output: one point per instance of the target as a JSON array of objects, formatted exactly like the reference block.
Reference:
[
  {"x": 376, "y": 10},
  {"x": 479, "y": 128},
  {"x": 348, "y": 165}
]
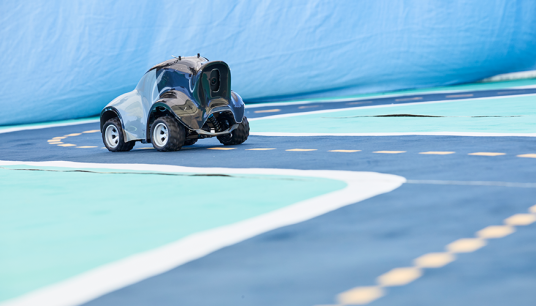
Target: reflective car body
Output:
[{"x": 191, "y": 89}]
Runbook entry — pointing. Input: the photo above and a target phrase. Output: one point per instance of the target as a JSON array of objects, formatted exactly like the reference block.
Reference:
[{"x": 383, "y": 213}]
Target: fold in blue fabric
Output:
[{"x": 67, "y": 59}]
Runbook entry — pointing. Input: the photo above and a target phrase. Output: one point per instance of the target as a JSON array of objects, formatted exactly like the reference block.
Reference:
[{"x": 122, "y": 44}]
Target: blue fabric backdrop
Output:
[{"x": 67, "y": 59}]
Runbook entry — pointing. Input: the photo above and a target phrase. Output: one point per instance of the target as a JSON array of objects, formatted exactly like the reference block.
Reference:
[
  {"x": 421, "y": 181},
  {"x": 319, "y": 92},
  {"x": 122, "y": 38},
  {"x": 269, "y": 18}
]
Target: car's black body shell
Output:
[{"x": 190, "y": 88}]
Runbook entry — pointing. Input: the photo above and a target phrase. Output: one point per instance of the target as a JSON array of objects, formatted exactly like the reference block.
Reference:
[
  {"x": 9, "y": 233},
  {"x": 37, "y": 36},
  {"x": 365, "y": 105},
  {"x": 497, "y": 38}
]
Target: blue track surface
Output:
[{"x": 311, "y": 262}]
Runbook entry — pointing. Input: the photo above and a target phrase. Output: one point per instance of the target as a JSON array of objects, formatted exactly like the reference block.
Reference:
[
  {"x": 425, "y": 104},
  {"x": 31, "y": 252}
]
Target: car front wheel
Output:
[{"x": 112, "y": 136}]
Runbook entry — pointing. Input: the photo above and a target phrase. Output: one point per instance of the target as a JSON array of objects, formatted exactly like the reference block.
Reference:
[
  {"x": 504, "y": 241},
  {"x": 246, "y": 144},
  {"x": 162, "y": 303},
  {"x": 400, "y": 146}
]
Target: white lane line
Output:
[
  {"x": 116, "y": 275},
  {"x": 381, "y": 106},
  {"x": 472, "y": 134},
  {"x": 45, "y": 126}
]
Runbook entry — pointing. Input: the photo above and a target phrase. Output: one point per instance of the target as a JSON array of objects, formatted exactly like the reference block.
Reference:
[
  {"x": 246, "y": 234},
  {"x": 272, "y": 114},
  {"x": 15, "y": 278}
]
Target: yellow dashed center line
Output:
[
  {"x": 521, "y": 219},
  {"x": 487, "y": 153},
  {"x": 401, "y": 276},
  {"x": 459, "y": 96},
  {"x": 345, "y": 151},
  {"x": 268, "y": 111},
  {"x": 300, "y": 150},
  {"x": 58, "y": 141},
  {"x": 356, "y": 103},
  {"x": 438, "y": 152},
  {"x": 360, "y": 295},
  {"x": 308, "y": 106},
  {"x": 495, "y": 231},
  {"x": 221, "y": 149},
  {"x": 527, "y": 155},
  {"x": 466, "y": 245},
  {"x": 390, "y": 152},
  {"x": 408, "y": 99},
  {"x": 434, "y": 260}
]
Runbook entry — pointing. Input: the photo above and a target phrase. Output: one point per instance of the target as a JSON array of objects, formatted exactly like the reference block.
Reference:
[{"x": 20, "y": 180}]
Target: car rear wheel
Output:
[
  {"x": 167, "y": 134},
  {"x": 112, "y": 136},
  {"x": 238, "y": 135}
]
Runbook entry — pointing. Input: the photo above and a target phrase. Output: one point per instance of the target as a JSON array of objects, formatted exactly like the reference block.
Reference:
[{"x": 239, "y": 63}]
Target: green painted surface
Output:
[
  {"x": 454, "y": 88},
  {"x": 458, "y": 118},
  {"x": 54, "y": 225}
]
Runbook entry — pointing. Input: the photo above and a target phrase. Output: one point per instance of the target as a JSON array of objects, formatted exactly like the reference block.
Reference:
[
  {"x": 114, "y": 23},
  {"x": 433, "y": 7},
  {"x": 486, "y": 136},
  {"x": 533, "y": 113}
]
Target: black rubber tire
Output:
[
  {"x": 190, "y": 142},
  {"x": 238, "y": 136},
  {"x": 176, "y": 134},
  {"x": 121, "y": 146}
]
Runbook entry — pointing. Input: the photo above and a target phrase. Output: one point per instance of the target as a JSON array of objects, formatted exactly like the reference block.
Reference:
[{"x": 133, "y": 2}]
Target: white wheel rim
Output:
[
  {"x": 160, "y": 134},
  {"x": 112, "y": 136}
]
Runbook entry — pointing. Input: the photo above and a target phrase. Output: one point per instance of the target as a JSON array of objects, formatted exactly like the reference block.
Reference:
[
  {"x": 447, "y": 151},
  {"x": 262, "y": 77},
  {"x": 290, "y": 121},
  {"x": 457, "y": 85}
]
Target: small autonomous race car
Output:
[{"x": 176, "y": 103}]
